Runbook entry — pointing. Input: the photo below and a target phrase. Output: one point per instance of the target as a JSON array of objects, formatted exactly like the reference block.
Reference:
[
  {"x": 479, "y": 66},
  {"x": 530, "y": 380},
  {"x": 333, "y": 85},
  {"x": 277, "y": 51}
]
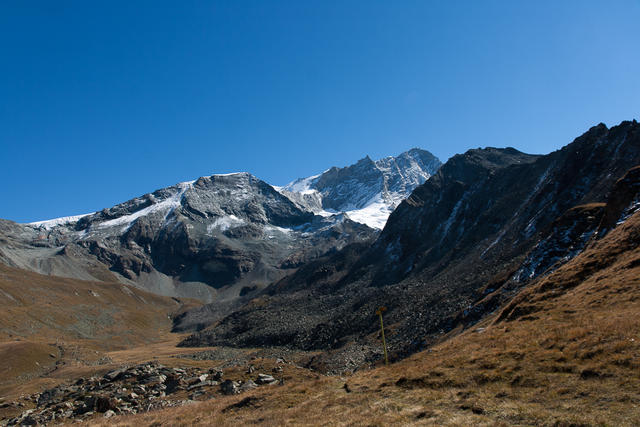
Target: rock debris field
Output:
[{"x": 141, "y": 388}]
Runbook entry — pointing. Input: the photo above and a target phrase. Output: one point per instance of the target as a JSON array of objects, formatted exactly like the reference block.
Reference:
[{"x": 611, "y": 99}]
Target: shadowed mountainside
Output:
[{"x": 460, "y": 237}]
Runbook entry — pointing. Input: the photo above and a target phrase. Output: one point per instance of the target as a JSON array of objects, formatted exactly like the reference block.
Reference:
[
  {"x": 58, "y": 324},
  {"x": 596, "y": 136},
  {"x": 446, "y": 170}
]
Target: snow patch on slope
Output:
[
  {"x": 630, "y": 210},
  {"x": 167, "y": 205},
  {"x": 367, "y": 191},
  {"x": 224, "y": 223},
  {"x": 302, "y": 185},
  {"x": 374, "y": 214},
  {"x": 51, "y": 223}
]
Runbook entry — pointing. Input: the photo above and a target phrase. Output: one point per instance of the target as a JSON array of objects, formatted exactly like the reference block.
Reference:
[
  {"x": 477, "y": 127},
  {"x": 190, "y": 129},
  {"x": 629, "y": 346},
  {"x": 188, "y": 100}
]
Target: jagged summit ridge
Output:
[
  {"x": 218, "y": 237},
  {"x": 367, "y": 191},
  {"x": 162, "y": 200}
]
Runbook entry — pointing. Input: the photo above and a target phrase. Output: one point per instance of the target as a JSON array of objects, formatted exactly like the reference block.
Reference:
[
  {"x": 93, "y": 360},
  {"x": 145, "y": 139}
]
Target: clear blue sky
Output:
[{"x": 101, "y": 101}]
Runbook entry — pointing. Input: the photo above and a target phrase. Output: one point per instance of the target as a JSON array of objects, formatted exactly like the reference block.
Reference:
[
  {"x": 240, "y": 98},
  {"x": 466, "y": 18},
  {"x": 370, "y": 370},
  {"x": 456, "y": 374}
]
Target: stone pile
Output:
[{"x": 129, "y": 390}]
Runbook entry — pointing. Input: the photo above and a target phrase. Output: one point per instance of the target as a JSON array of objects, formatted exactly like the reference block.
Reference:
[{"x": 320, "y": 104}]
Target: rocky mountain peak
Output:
[
  {"x": 368, "y": 190},
  {"x": 215, "y": 238}
]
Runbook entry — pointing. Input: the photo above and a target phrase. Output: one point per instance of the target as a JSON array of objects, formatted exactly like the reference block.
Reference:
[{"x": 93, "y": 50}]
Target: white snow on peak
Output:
[
  {"x": 301, "y": 185},
  {"x": 51, "y": 223},
  {"x": 127, "y": 219},
  {"x": 370, "y": 206},
  {"x": 374, "y": 214},
  {"x": 167, "y": 205},
  {"x": 231, "y": 174},
  {"x": 367, "y": 204}
]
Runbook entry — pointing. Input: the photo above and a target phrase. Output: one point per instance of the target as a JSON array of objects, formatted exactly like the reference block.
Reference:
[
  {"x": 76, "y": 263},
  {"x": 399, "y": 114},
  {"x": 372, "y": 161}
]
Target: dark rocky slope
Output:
[{"x": 456, "y": 240}]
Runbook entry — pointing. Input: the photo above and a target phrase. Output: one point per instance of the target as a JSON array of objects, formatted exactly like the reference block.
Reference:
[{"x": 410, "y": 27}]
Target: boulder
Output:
[
  {"x": 247, "y": 385},
  {"x": 154, "y": 379},
  {"x": 229, "y": 387},
  {"x": 115, "y": 374},
  {"x": 265, "y": 379},
  {"x": 216, "y": 374}
]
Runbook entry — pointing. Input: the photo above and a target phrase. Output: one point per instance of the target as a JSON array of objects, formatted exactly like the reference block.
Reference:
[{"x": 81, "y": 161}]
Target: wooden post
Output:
[{"x": 384, "y": 343}]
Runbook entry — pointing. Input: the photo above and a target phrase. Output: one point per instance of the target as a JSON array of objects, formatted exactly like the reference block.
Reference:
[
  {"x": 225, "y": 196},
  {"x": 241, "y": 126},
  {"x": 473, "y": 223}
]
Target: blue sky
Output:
[{"x": 104, "y": 101}]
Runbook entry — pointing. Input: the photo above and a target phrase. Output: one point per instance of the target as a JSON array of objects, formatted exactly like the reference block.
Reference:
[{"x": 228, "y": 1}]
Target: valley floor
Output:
[{"x": 563, "y": 368}]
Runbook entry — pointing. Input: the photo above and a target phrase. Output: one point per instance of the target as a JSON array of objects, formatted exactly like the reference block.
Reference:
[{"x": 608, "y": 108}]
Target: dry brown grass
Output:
[
  {"x": 570, "y": 358},
  {"x": 110, "y": 315},
  {"x": 21, "y": 358},
  {"x": 566, "y": 352},
  {"x": 50, "y": 324}
]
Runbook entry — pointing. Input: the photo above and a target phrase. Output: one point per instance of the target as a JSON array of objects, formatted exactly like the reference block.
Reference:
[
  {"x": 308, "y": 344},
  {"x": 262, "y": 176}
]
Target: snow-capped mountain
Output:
[
  {"x": 215, "y": 238},
  {"x": 219, "y": 237},
  {"x": 367, "y": 191}
]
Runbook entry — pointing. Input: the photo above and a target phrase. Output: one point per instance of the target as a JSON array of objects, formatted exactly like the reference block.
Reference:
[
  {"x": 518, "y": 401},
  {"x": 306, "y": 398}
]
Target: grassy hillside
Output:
[{"x": 48, "y": 322}]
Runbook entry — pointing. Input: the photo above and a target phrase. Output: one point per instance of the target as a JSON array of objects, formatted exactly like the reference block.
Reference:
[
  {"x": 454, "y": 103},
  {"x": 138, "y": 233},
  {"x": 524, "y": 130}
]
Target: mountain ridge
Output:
[
  {"x": 368, "y": 190},
  {"x": 221, "y": 237},
  {"x": 460, "y": 236}
]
